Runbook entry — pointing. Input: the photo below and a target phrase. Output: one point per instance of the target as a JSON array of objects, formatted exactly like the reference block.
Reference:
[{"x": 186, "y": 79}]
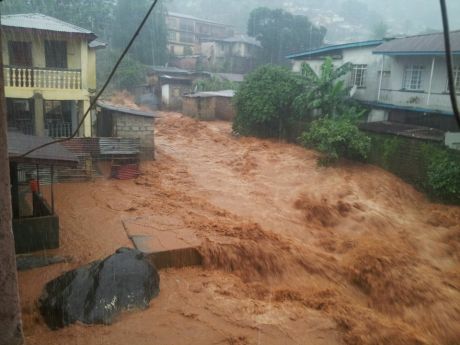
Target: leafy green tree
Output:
[
  {"x": 150, "y": 47},
  {"x": 326, "y": 93},
  {"x": 264, "y": 101},
  {"x": 281, "y": 33}
]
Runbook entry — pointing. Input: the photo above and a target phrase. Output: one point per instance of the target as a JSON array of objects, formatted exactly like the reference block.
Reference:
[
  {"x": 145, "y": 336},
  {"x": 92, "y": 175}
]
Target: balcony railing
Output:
[
  {"x": 435, "y": 100},
  {"x": 59, "y": 129},
  {"x": 43, "y": 78}
]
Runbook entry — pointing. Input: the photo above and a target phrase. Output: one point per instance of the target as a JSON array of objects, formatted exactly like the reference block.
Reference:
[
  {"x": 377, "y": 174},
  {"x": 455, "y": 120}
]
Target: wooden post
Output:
[
  {"x": 10, "y": 309},
  {"x": 52, "y": 189}
]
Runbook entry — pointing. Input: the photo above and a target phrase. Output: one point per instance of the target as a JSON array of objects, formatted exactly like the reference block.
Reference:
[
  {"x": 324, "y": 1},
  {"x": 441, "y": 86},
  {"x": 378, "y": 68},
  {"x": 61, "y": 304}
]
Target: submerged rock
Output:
[{"x": 96, "y": 293}]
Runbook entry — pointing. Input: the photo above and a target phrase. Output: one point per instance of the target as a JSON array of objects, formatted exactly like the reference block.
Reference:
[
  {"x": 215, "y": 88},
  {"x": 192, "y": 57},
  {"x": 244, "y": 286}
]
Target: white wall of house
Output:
[
  {"x": 433, "y": 92},
  {"x": 357, "y": 56}
]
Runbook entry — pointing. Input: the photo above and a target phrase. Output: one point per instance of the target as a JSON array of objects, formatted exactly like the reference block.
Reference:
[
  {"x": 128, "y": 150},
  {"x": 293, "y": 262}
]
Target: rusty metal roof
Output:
[
  {"x": 428, "y": 44},
  {"x": 38, "y": 21},
  {"x": 55, "y": 154},
  {"x": 123, "y": 109}
]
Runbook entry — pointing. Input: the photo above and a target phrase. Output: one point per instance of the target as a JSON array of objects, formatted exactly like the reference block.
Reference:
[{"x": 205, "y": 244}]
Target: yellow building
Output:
[{"x": 49, "y": 73}]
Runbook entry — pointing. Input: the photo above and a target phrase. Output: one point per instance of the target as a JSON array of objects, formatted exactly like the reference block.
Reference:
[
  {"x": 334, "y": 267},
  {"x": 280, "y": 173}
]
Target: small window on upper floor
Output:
[
  {"x": 413, "y": 77},
  {"x": 358, "y": 75},
  {"x": 56, "y": 54}
]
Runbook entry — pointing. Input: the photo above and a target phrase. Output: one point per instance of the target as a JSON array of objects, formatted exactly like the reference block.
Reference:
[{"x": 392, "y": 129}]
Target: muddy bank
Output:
[{"x": 293, "y": 253}]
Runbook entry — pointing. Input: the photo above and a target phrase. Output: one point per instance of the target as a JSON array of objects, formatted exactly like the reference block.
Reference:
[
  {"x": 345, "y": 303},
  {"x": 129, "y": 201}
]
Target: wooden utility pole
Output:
[{"x": 10, "y": 309}]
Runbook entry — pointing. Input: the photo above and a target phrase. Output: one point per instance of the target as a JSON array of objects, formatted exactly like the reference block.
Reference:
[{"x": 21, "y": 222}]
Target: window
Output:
[
  {"x": 187, "y": 37},
  {"x": 171, "y": 36},
  {"x": 20, "y": 53},
  {"x": 186, "y": 25},
  {"x": 56, "y": 54},
  {"x": 413, "y": 77},
  {"x": 358, "y": 75}
]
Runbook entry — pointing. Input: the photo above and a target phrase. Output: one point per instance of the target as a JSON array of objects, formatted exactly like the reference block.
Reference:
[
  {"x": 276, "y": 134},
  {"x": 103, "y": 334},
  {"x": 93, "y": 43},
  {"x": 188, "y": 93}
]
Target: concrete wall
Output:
[
  {"x": 36, "y": 233},
  {"x": 133, "y": 126},
  {"x": 209, "y": 108}
]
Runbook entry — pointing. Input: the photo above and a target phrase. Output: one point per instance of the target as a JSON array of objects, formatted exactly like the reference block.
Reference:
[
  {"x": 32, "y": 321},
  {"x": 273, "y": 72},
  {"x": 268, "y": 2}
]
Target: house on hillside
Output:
[
  {"x": 50, "y": 74},
  {"x": 402, "y": 80},
  {"x": 236, "y": 54},
  {"x": 169, "y": 84},
  {"x": 185, "y": 32}
]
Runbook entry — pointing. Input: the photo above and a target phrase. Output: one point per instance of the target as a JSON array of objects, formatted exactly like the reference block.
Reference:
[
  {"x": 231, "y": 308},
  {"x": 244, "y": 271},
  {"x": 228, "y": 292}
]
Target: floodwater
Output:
[{"x": 293, "y": 253}]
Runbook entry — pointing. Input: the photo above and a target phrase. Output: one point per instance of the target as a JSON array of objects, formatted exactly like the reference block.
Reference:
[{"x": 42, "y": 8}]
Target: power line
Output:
[
  {"x": 93, "y": 102},
  {"x": 450, "y": 72}
]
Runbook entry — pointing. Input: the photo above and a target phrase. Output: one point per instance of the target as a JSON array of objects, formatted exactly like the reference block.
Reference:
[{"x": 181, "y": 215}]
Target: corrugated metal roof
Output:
[
  {"x": 335, "y": 47},
  {"x": 55, "y": 154},
  {"x": 241, "y": 38},
  {"x": 123, "y": 109},
  {"x": 223, "y": 93},
  {"x": 429, "y": 44},
  {"x": 238, "y": 78},
  {"x": 171, "y": 70},
  {"x": 96, "y": 44},
  {"x": 39, "y": 21}
]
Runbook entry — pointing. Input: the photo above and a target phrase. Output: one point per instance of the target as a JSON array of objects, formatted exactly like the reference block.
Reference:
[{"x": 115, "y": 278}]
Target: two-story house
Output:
[
  {"x": 402, "y": 80},
  {"x": 49, "y": 73},
  {"x": 185, "y": 33},
  {"x": 236, "y": 54}
]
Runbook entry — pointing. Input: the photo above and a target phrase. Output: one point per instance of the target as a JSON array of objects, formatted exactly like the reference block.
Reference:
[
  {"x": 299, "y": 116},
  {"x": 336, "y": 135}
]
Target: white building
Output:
[{"x": 402, "y": 80}]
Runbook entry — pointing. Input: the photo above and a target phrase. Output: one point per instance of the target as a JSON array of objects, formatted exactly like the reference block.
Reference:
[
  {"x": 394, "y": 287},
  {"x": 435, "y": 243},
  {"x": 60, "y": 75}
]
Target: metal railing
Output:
[{"x": 46, "y": 78}]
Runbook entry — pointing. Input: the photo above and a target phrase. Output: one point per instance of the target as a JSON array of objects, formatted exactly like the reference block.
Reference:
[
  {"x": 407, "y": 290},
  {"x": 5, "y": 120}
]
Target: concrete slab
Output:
[{"x": 165, "y": 240}]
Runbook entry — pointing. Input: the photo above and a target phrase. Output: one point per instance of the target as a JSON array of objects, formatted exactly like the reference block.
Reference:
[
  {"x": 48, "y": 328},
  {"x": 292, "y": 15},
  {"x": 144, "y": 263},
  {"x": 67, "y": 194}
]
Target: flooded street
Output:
[{"x": 293, "y": 253}]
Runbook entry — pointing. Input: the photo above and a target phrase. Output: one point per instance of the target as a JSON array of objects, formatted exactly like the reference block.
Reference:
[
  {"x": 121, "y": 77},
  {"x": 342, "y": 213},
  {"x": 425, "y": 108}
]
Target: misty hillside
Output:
[{"x": 346, "y": 20}]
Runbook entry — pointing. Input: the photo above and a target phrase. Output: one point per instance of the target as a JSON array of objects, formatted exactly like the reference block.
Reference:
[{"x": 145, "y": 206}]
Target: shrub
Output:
[
  {"x": 444, "y": 176},
  {"x": 264, "y": 101},
  {"x": 337, "y": 138}
]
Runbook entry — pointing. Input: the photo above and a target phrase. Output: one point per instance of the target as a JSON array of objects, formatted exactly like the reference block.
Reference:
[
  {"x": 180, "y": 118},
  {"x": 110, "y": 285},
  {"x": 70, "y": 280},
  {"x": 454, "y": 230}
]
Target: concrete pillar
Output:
[
  {"x": 74, "y": 114},
  {"x": 10, "y": 308},
  {"x": 39, "y": 116},
  {"x": 87, "y": 125},
  {"x": 84, "y": 64}
]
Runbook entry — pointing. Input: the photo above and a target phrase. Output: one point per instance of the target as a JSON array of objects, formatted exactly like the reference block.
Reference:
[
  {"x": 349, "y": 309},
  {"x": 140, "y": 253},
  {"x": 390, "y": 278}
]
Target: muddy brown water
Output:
[{"x": 293, "y": 253}]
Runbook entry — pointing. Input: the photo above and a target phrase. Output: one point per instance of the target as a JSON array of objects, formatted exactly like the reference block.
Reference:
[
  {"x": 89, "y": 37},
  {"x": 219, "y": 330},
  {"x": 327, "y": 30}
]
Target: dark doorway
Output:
[
  {"x": 20, "y": 55},
  {"x": 56, "y": 54},
  {"x": 20, "y": 115}
]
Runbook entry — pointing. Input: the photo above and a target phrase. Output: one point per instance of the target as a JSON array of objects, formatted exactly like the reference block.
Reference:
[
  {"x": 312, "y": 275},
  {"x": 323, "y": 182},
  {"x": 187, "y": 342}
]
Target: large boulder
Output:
[{"x": 96, "y": 293}]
